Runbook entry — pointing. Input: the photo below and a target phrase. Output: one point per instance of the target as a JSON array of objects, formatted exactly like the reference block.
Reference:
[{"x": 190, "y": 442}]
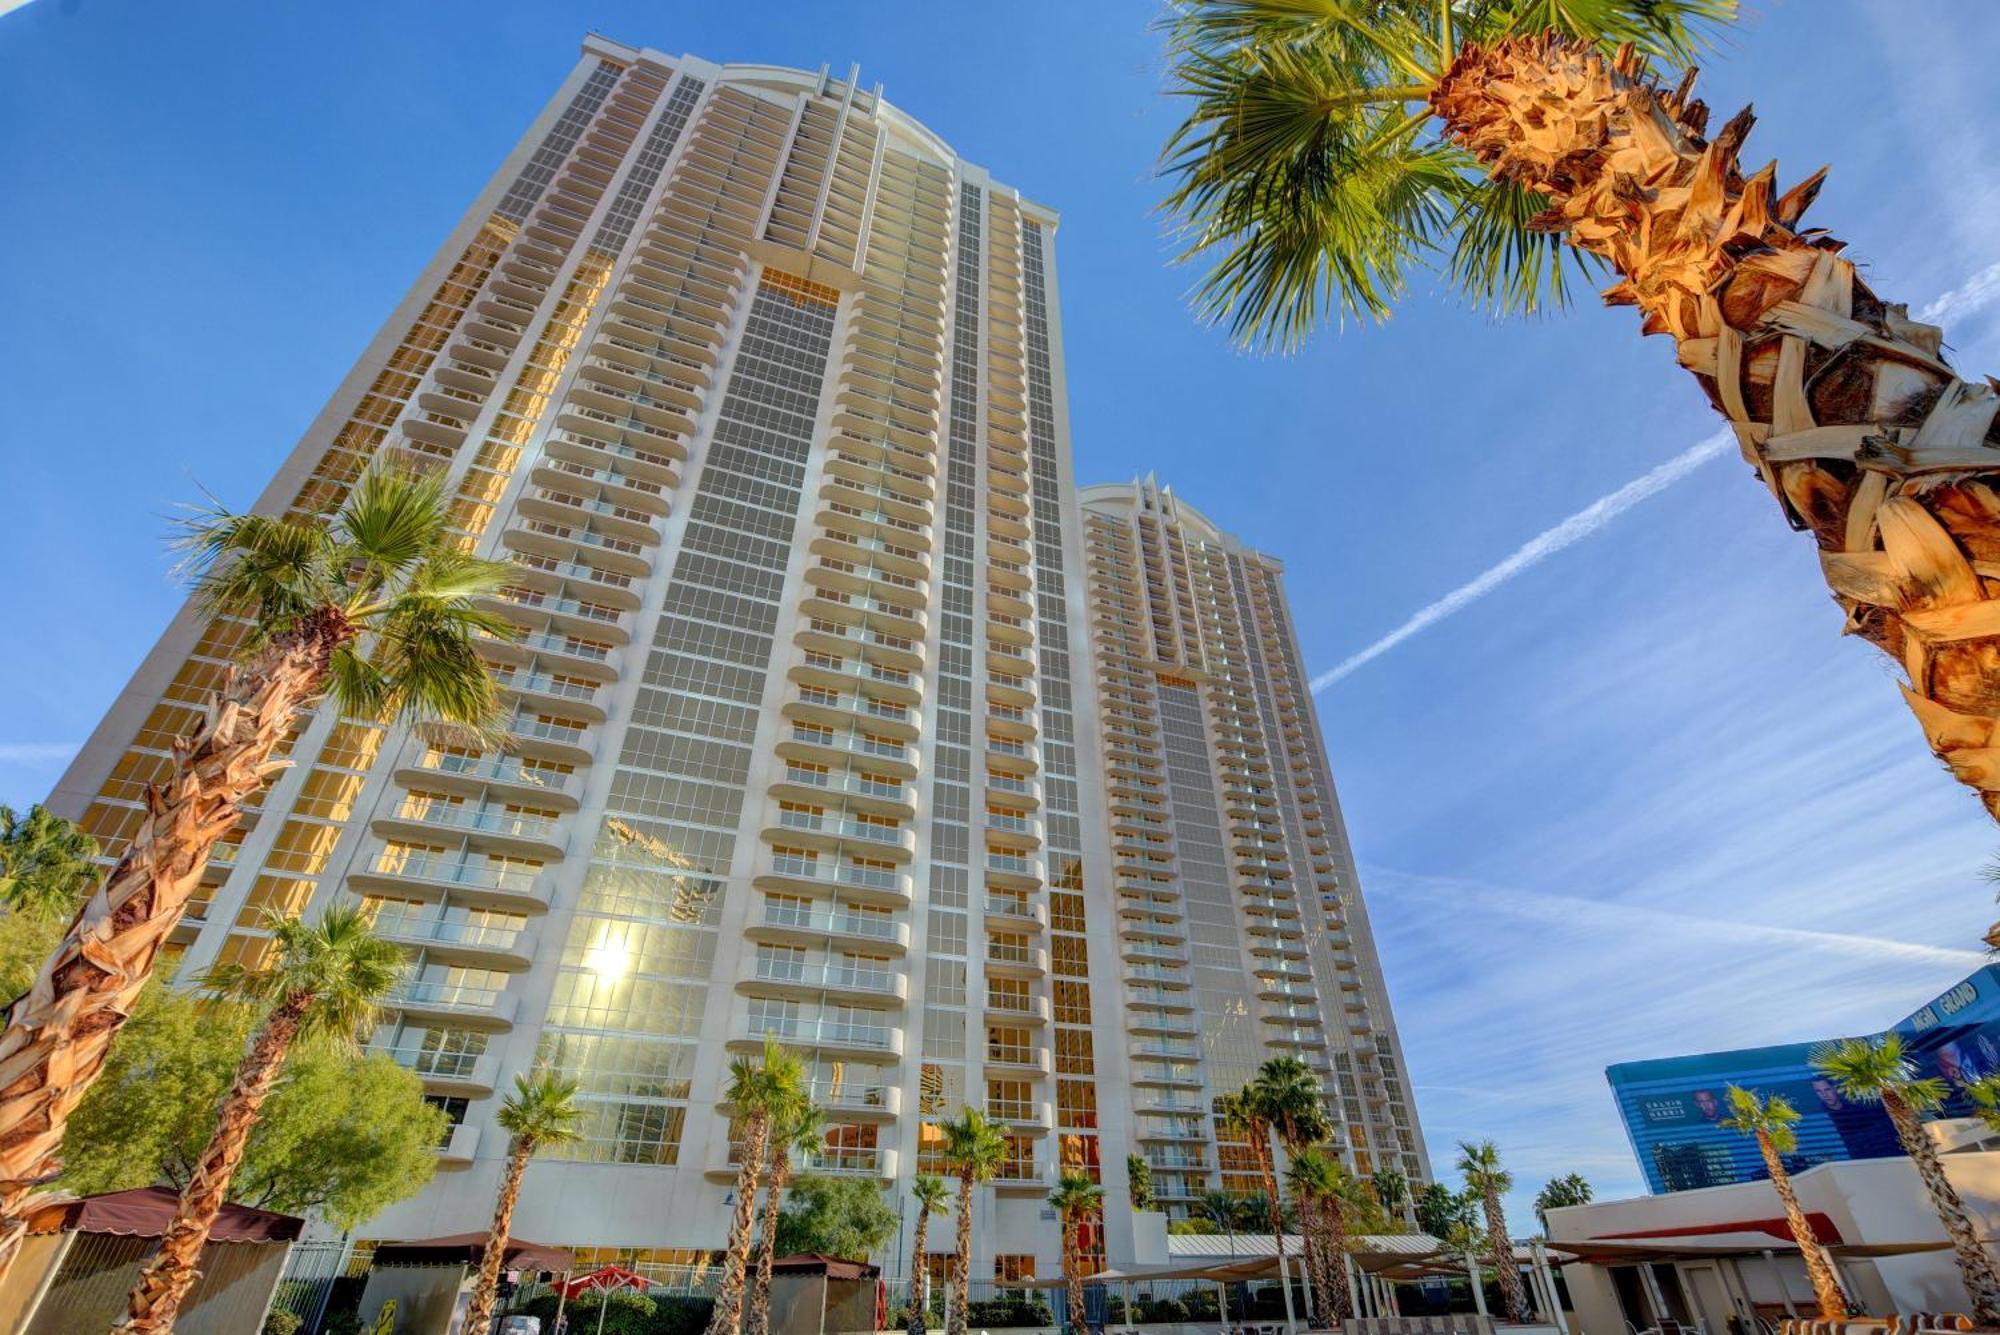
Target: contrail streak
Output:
[
  {"x": 1538, "y": 549},
  {"x": 1969, "y": 298}
]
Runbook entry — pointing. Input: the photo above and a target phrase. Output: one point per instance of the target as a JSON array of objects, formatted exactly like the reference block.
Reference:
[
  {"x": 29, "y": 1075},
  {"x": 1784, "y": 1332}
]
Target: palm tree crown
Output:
[
  {"x": 337, "y": 969},
  {"x": 1076, "y": 1194},
  {"x": 387, "y": 566},
  {"x": 1868, "y": 1070},
  {"x": 1752, "y": 1115},
  {"x": 974, "y": 1142},
  {"x": 931, "y": 1192},
  {"x": 1479, "y": 1164},
  {"x": 1285, "y": 1096},
  {"x": 767, "y": 1085},
  {"x": 542, "y": 1111},
  {"x": 1308, "y": 174}
]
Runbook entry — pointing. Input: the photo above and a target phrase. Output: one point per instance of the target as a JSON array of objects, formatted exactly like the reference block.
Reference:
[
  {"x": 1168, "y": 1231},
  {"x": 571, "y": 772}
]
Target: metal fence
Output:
[{"x": 307, "y": 1281}]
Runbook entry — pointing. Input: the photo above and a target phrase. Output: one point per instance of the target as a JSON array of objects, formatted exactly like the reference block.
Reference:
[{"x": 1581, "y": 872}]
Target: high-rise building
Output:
[
  {"x": 1242, "y": 932},
  {"x": 760, "y": 386}
]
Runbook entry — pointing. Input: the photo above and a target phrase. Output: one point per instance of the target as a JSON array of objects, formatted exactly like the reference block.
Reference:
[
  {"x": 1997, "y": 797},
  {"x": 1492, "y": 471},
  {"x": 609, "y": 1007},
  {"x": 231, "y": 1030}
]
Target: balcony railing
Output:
[{"x": 884, "y": 981}]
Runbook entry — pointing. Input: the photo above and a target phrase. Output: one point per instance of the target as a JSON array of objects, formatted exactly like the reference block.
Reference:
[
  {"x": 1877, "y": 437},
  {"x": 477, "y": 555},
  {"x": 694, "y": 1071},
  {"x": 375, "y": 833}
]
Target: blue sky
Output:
[{"x": 1638, "y": 799}]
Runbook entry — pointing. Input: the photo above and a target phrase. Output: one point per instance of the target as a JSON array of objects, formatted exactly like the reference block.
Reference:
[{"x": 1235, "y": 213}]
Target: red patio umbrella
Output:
[{"x": 605, "y": 1280}]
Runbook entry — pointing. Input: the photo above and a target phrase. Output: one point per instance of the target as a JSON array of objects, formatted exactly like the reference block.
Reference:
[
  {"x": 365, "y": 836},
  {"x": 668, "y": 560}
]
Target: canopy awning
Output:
[
  {"x": 816, "y": 1263},
  {"x": 145, "y": 1212},
  {"x": 468, "y": 1249}
]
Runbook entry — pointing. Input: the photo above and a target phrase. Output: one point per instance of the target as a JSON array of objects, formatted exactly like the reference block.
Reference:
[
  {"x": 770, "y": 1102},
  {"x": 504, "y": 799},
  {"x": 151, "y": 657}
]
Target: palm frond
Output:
[
  {"x": 1306, "y": 179},
  {"x": 393, "y": 522},
  {"x": 270, "y": 570},
  {"x": 1501, "y": 264}
]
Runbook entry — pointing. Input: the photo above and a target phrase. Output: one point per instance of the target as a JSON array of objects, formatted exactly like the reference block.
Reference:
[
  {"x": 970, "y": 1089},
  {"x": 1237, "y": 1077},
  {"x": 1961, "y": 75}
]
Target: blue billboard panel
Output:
[{"x": 1672, "y": 1107}]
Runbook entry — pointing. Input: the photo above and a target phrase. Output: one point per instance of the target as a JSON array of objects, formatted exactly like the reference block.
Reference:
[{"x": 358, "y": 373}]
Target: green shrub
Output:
[
  {"x": 280, "y": 1322},
  {"x": 628, "y": 1314},
  {"x": 1019, "y": 1310}
]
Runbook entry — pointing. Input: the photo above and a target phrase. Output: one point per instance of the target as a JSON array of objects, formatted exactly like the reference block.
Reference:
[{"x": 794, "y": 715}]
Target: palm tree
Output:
[
  {"x": 796, "y": 1128},
  {"x": 45, "y": 862},
  {"x": 541, "y": 1112},
  {"x": 1139, "y": 1179},
  {"x": 931, "y": 1195},
  {"x": 320, "y": 980},
  {"x": 1770, "y": 1121},
  {"x": 1880, "y": 1072},
  {"x": 1283, "y": 1098},
  {"x": 757, "y": 1090},
  {"x": 386, "y": 567},
  {"x": 1243, "y": 1113},
  {"x": 1479, "y": 1164},
  {"x": 1320, "y": 1186},
  {"x": 1221, "y": 1207},
  {"x": 1331, "y": 150},
  {"x": 1075, "y": 1198},
  {"x": 973, "y": 1149}
]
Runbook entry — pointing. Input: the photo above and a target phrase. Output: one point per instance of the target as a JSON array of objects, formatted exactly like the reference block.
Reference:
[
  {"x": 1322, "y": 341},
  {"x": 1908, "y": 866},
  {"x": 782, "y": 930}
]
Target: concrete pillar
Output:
[
  {"x": 1478, "y": 1289},
  {"x": 1778, "y": 1275}
]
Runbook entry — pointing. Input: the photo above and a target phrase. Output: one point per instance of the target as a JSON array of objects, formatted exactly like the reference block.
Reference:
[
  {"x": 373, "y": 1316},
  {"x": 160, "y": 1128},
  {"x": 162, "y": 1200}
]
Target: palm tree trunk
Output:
[
  {"x": 1501, "y": 1253},
  {"x": 1826, "y": 1289},
  {"x": 920, "y": 1318},
  {"x": 1333, "y": 1255},
  {"x": 57, "y": 1035},
  {"x": 1975, "y": 1264},
  {"x": 163, "y": 1285},
  {"x": 1072, "y": 1263},
  {"x": 1260, "y": 1143},
  {"x": 479, "y": 1315},
  {"x": 757, "y": 1316},
  {"x": 1307, "y": 1206},
  {"x": 1840, "y": 401},
  {"x": 728, "y": 1315},
  {"x": 961, "y": 1279}
]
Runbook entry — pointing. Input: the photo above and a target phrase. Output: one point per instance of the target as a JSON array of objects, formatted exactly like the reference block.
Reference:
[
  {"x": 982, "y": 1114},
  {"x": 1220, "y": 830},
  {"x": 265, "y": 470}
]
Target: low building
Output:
[
  {"x": 1672, "y": 1107},
  {"x": 1723, "y": 1256}
]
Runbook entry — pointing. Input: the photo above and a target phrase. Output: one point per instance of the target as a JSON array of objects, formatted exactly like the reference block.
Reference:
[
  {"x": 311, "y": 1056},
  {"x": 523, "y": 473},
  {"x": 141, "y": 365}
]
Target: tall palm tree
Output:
[
  {"x": 1879, "y": 1071},
  {"x": 1771, "y": 1121},
  {"x": 1331, "y": 150},
  {"x": 1319, "y": 1186},
  {"x": 757, "y": 1090},
  {"x": 973, "y": 1150},
  {"x": 385, "y": 567},
  {"x": 1287, "y": 1093},
  {"x": 796, "y": 1128},
  {"x": 320, "y": 980},
  {"x": 45, "y": 862},
  {"x": 1243, "y": 1114},
  {"x": 541, "y": 1112},
  {"x": 1075, "y": 1199},
  {"x": 1479, "y": 1164},
  {"x": 931, "y": 1194}
]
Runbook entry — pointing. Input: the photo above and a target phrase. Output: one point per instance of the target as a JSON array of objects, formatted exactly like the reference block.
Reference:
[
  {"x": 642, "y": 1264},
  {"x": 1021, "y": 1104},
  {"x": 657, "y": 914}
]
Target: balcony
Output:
[
  {"x": 873, "y": 1162},
  {"x": 820, "y": 744},
  {"x": 454, "y": 1003},
  {"x": 448, "y": 939},
  {"x": 470, "y": 879},
  {"x": 460, "y": 772},
  {"x": 446, "y": 1072},
  {"x": 1017, "y": 913},
  {"x": 786, "y": 977},
  {"x": 1003, "y": 1008},
  {"x": 564, "y": 539},
  {"x": 492, "y": 826},
  {"x": 784, "y": 924},
  {"x": 831, "y": 831},
  {"x": 1022, "y": 1115},
  {"x": 864, "y": 1042},
  {"x": 804, "y": 875},
  {"x": 846, "y": 1100},
  {"x": 1016, "y": 961},
  {"x": 460, "y": 1147},
  {"x": 1018, "y": 1177}
]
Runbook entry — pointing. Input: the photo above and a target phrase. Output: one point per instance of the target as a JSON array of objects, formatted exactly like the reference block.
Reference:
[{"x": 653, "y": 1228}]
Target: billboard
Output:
[{"x": 1672, "y": 1107}]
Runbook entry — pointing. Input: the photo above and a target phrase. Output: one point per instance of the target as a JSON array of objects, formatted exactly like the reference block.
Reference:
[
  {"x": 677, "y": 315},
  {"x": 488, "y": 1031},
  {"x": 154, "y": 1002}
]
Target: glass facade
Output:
[
  {"x": 759, "y": 388},
  {"x": 1671, "y": 1106}
]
